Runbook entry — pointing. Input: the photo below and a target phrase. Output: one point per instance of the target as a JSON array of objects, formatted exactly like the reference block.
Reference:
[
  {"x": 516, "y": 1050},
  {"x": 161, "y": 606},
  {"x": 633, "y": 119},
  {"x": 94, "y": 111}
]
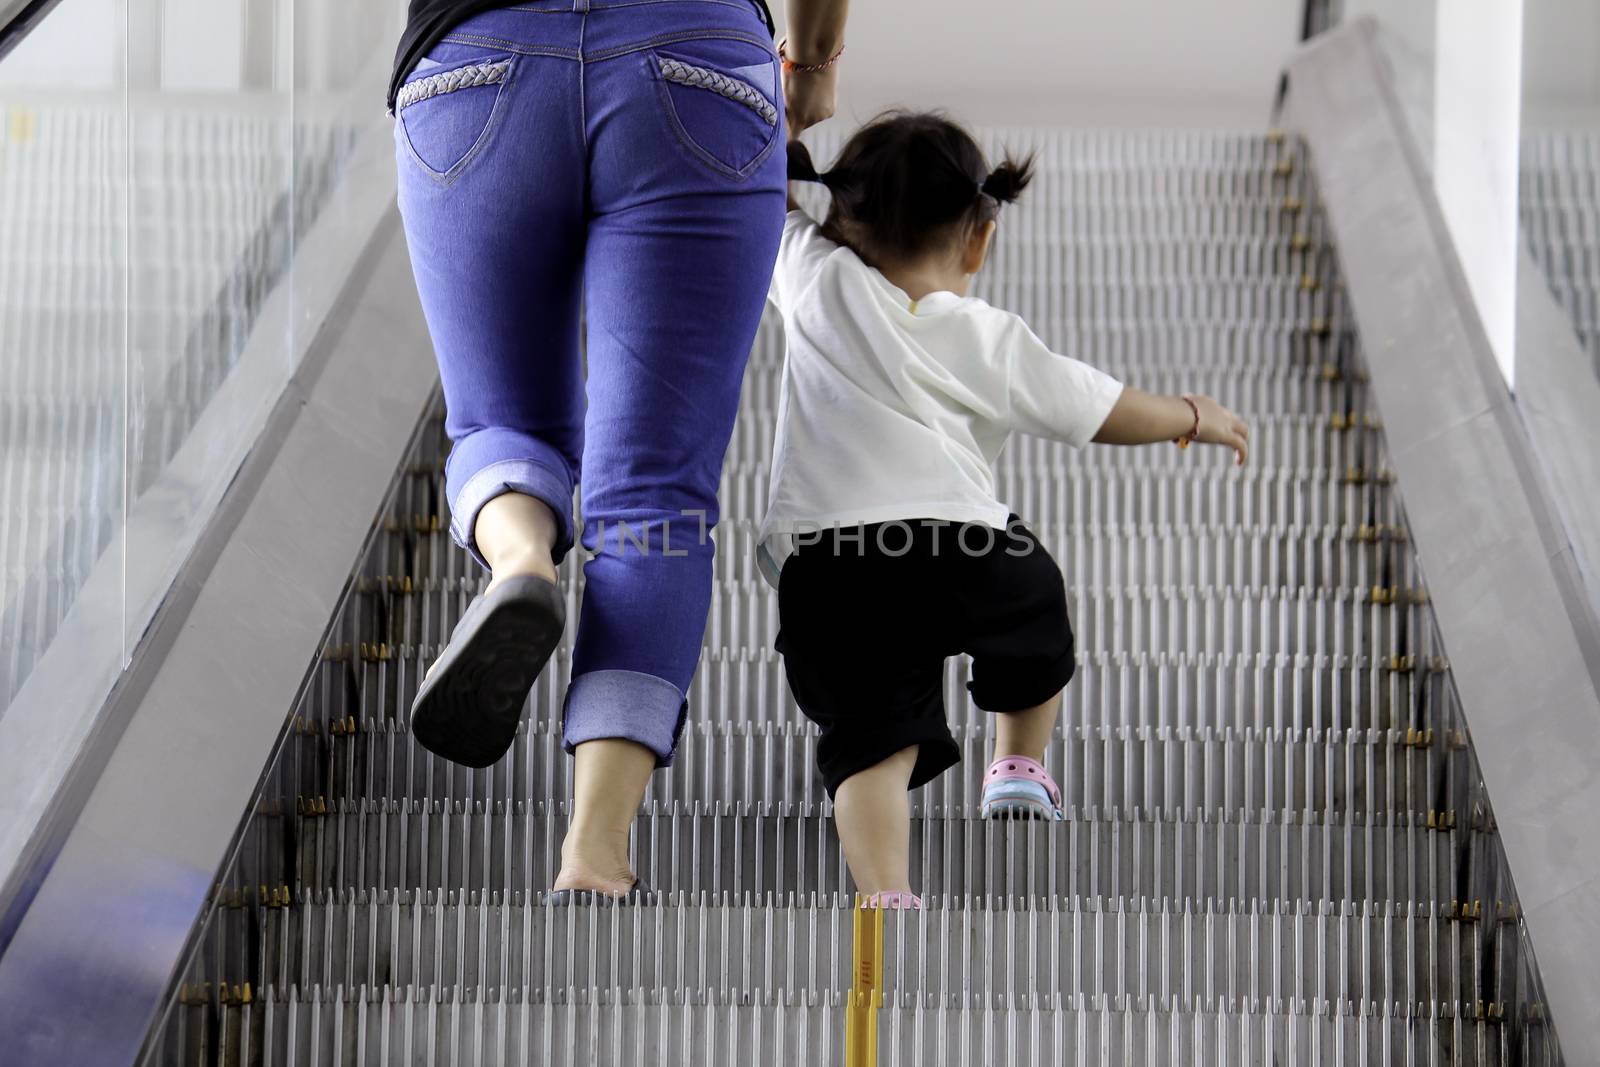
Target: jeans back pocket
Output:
[
  {"x": 445, "y": 115},
  {"x": 721, "y": 98}
]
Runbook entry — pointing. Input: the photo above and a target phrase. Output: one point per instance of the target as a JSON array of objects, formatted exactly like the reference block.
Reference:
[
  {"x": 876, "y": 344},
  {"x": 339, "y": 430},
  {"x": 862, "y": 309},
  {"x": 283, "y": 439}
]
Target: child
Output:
[{"x": 882, "y": 533}]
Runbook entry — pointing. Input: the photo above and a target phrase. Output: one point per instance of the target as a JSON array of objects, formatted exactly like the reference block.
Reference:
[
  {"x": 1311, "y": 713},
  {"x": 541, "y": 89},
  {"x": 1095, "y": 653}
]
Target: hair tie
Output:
[{"x": 801, "y": 168}]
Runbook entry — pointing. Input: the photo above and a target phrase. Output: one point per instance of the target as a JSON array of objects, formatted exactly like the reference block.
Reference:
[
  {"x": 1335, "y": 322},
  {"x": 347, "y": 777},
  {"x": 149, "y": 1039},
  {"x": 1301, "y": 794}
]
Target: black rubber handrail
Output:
[{"x": 23, "y": 23}]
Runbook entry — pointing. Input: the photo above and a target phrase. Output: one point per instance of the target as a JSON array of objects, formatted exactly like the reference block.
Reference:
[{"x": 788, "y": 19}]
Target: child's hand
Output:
[{"x": 1219, "y": 426}]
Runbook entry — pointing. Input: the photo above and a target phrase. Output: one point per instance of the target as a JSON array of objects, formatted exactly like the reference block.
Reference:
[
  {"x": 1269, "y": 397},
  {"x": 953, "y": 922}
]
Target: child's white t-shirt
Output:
[{"x": 893, "y": 408}]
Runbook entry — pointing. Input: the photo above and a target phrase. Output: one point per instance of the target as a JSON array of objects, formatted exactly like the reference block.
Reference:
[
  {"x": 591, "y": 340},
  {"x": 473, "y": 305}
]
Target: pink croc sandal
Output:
[
  {"x": 893, "y": 899},
  {"x": 1016, "y": 787}
]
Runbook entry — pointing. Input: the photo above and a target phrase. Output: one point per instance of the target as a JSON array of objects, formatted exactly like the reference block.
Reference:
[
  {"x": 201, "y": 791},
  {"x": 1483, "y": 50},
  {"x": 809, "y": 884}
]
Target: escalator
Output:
[
  {"x": 1559, "y": 191},
  {"x": 1278, "y": 846}
]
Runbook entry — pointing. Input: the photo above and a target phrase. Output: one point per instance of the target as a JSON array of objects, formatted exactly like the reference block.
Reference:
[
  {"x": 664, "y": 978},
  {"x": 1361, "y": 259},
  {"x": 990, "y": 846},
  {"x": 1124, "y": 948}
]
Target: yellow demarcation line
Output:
[{"x": 866, "y": 990}]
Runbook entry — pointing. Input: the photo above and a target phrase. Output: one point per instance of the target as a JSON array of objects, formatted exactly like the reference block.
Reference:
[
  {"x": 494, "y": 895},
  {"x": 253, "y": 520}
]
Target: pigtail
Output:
[
  {"x": 801, "y": 168},
  {"x": 907, "y": 181},
  {"x": 1006, "y": 182}
]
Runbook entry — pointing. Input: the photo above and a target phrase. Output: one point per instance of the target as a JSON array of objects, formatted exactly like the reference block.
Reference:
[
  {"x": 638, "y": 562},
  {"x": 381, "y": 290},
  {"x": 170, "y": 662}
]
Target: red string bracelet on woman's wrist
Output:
[
  {"x": 791, "y": 67},
  {"x": 1194, "y": 434}
]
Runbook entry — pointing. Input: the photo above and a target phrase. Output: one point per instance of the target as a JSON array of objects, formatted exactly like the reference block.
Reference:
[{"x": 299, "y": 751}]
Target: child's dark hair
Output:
[{"x": 905, "y": 179}]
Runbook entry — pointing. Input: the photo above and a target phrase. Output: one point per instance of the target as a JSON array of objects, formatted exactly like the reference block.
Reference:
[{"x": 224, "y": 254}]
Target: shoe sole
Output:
[
  {"x": 1023, "y": 800},
  {"x": 1020, "y": 810},
  {"x": 468, "y": 709}
]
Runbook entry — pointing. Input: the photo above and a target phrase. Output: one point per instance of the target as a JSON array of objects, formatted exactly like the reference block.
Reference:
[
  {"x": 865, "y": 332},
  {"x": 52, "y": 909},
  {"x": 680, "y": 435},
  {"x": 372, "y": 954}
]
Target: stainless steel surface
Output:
[
  {"x": 1558, "y": 391},
  {"x": 1279, "y": 847},
  {"x": 1517, "y": 637}
]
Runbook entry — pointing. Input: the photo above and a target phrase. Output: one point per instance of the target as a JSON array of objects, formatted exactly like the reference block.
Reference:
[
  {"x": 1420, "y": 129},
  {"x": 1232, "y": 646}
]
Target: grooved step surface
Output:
[
  {"x": 1158, "y": 768},
  {"x": 715, "y": 1028},
  {"x": 1394, "y": 959},
  {"x": 1098, "y": 852}
]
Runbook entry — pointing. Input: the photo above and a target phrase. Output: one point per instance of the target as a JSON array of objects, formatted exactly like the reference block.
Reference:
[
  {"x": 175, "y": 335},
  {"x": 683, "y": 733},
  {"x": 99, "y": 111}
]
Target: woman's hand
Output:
[
  {"x": 808, "y": 97},
  {"x": 814, "y": 34},
  {"x": 1219, "y": 426}
]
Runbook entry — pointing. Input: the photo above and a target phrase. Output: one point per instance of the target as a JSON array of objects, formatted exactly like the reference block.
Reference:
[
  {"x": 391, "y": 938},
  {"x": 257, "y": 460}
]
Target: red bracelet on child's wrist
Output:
[{"x": 1194, "y": 434}]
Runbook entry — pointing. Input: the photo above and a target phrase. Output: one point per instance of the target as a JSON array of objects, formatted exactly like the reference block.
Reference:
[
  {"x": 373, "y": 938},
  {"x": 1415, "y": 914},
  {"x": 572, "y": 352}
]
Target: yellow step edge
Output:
[{"x": 866, "y": 990}]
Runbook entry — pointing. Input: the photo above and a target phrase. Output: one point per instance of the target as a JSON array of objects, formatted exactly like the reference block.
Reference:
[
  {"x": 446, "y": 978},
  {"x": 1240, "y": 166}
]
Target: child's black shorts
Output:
[{"x": 868, "y": 615}]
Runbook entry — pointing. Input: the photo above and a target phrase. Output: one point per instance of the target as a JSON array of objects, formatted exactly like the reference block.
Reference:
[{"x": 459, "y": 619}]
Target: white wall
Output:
[
  {"x": 1077, "y": 62},
  {"x": 1476, "y": 145}
]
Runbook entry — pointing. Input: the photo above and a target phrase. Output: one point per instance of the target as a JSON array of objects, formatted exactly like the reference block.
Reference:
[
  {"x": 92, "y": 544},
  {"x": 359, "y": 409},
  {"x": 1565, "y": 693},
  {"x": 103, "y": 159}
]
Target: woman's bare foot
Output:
[
  {"x": 609, "y": 780},
  {"x": 614, "y": 879}
]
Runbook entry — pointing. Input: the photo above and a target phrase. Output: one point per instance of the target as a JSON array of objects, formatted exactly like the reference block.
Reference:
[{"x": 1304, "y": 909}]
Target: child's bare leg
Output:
[
  {"x": 872, "y": 811},
  {"x": 1027, "y": 733}
]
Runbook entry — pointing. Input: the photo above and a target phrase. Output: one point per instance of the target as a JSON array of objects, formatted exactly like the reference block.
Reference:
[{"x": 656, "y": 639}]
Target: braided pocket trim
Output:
[
  {"x": 451, "y": 80},
  {"x": 741, "y": 92}
]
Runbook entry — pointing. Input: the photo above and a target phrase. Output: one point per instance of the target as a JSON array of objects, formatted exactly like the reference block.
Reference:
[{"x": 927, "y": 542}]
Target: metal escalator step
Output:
[
  {"x": 1373, "y": 621},
  {"x": 1173, "y": 769},
  {"x": 1276, "y": 395},
  {"x": 1211, "y": 496},
  {"x": 357, "y": 689},
  {"x": 1203, "y": 346},
  {"x": 737, "y": 848},
  {"x": 1171, "y": 554},
  {"x": 715, "y": 1028},
  {"x": 1384, "y": 628},
  {"x": 1402, "y": 959}
]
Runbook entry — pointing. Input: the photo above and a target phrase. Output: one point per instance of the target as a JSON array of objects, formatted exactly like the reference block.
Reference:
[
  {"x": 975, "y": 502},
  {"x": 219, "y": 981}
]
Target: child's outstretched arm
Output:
[
  {"x": 1057, "y": 396},
  {"x": 1140, "y": 418}
]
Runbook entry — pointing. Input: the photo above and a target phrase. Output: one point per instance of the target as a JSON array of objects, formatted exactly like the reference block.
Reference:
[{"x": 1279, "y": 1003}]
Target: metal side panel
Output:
[
  {"x": 86, "y": 971},
  {"x": 1558, "y": 395},
  {"x": 1487, "y": 537}
]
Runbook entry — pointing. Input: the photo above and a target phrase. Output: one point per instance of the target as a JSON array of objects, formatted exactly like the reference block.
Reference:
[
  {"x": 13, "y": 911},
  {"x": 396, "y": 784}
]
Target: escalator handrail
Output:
[{"x": 18, "y": 19}]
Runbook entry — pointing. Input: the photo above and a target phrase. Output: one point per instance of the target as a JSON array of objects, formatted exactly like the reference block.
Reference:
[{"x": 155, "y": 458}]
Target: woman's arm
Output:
[
  {"x": 815, "y": 34},
  {"x": 1141, "y": 418}
]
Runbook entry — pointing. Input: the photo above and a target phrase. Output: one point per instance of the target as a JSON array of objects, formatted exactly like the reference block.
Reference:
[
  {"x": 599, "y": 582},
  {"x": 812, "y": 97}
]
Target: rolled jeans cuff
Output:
[
  {"x": 625, "y": 705},
  {"x": 526, "y": 476}
]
